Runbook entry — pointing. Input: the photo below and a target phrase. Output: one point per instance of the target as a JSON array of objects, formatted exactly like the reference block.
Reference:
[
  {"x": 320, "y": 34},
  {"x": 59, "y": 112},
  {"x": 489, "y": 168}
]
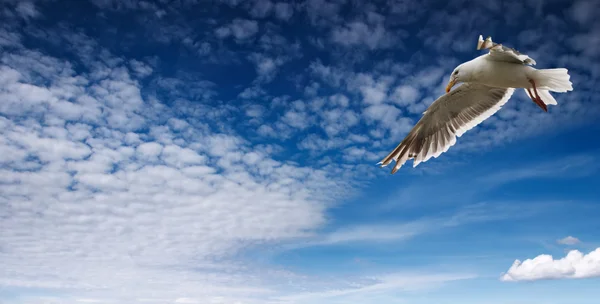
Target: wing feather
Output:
[
  {"x": 503, "y": 53},
  {"x": 499, "y": 52},
  {"x": 447, "y": 118}
]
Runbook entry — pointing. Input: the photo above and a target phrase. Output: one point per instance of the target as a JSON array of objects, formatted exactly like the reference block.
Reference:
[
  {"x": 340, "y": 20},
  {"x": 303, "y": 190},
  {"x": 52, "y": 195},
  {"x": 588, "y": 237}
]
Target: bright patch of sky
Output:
[{"x": 224, "y": 152}]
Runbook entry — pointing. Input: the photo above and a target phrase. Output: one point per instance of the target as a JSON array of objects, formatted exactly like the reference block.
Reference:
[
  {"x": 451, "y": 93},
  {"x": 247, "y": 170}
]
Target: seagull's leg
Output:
[
  {"x": 534, "y": 88},
  {"x": 536, "y": 99},
  {"x": 530, "y": 94}
]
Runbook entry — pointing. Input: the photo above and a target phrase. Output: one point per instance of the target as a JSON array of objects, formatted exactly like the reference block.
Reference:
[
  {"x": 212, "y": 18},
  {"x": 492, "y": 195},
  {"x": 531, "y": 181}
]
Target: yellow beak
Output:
[{"x": 450, "y": 85}]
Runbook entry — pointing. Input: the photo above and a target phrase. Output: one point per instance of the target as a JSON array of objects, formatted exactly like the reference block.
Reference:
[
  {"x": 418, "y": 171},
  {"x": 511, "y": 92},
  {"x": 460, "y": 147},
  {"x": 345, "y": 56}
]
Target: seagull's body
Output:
[
  {"x": 501, "y": 74},
  {"x": 489, "y": 81}
]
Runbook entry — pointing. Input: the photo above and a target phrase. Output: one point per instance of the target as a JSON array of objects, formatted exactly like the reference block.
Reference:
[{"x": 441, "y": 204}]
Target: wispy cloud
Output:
[
  {"x": 404, "y": 231},
  {"x": 378, "y": 288},
  {"x": 483, "y": 182},
  {"x": 569, "y": 240},
  {"x": 573, "y": 166}
]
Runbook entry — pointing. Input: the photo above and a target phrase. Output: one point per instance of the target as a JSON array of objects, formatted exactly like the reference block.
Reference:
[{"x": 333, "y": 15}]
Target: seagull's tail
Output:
[
  {"x": 555, "y": 80},
  {"x": 550, "y": 80}
]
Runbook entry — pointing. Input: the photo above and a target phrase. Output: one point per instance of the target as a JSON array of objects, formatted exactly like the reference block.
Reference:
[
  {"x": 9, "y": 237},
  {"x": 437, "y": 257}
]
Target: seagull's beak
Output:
[{"x": 451, "y": 83}]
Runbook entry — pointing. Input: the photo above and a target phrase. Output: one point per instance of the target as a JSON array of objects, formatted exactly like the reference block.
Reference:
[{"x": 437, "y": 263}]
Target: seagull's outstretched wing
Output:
[
  {"x": 451, "y": 115},
  {"x": 499, "y": 52}
]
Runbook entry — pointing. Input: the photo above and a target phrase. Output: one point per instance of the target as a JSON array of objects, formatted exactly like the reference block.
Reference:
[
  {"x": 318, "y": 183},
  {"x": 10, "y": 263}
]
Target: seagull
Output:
[{"x": 488, "y": 82}]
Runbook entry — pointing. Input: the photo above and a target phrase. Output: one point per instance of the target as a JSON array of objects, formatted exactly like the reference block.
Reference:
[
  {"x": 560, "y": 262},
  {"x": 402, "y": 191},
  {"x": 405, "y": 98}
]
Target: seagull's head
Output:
[{"x": 461, "y": 73}]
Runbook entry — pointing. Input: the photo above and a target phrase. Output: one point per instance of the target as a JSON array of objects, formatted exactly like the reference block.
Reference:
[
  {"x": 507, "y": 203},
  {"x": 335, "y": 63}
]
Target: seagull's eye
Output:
[{"x": 455, "y": 72}]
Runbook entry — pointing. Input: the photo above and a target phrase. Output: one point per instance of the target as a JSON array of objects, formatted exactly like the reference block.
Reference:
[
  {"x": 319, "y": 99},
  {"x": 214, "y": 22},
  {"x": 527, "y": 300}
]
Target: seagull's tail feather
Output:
[
  {"x": 545, "y": 95},
  {"x": 555, "y": 80},
  {"x": 547, "y": 98}
]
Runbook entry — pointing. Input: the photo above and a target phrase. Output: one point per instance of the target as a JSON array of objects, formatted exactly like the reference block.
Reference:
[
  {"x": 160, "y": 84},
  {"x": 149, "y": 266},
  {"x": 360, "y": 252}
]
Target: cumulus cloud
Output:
[{"x": 575, "y": 265}]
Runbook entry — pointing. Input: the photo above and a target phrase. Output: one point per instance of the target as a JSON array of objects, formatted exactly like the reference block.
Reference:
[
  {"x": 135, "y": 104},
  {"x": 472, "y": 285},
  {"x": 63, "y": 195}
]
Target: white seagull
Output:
[{"x": 489, "y": 81}]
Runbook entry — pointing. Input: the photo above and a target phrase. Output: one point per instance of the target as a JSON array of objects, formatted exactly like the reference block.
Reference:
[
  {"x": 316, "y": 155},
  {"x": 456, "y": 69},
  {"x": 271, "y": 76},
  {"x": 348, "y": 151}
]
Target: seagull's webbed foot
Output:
[{"x": 536, "y": 98}]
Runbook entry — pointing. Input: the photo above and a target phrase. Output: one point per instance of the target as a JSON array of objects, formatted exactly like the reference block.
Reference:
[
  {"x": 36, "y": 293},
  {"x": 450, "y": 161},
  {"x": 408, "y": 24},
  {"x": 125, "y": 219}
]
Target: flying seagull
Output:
[{"x": 488, "y": 82}]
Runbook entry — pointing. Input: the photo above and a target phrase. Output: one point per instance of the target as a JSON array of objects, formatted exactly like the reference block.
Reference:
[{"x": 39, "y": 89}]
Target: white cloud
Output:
[
  {"x": 360, "y": 34},
  {"x": 261, "y": 8},
  {"x": 583, "y": 11},
  {"x": 105, "y": 184},
  {"x": 375, "y": 287},
  {"x": 266, "y": 67},
  {"x": 429, "y": 77},
  {"x": 251, "y": 92},
  {"x": 405, "y": 95},
  {"x": 296, "y": 119},
  {"x": 569, "y": 240},
  {"x": 140, "y": 68},
  {"x": 9, "y": 38},
  {"x": 108, "y": 193},
  {"x": 373, "y": 95},
  {"x": 374, "y": 233},
  {"x": 373, "y": 91},
  {"x": 328, "y": 74},
  {"x": 255, "y": 111},
  {"x": 323, "y": 12},
  {"x": 240, "y": 29},
  {"x": 358, "y": 154},
  {"x": 575, "y": 265},
  {"x": 312, "y": 89},
  {"x": 388, "y": 117},
  {"x": 317, "y": 143},
  {"x": 223, "y": 32},
  {"x": 338, "y": 121},
  {"x": 26, "y": 9},
  {"x": 284, "y": 11},
  {"x": 339, "y": 100}
]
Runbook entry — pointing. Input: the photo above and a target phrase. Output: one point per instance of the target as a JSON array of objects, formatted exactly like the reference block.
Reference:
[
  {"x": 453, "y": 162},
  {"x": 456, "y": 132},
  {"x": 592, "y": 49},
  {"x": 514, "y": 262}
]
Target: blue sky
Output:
[{"x": 192, "y": 151}]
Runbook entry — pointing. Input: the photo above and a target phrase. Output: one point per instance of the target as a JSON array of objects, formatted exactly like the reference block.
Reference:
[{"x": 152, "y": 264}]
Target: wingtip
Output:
[
  {"x": 484, "y": 44},
  {"x": 479, "y": 42}
]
